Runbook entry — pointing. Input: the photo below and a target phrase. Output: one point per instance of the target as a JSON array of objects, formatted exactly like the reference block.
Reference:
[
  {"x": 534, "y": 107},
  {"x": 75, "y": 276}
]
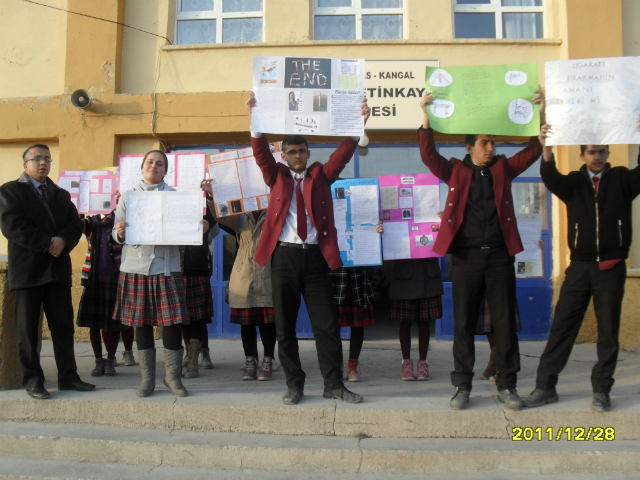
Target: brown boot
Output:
[{"x": 490, "y": 371}]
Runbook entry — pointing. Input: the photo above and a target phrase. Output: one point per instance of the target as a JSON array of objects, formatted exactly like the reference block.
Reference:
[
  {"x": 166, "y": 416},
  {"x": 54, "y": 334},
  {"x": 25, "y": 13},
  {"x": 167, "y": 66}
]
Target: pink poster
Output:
[
  {"x": 409, "y": 205},
  {"x": 92, "y": 191}
]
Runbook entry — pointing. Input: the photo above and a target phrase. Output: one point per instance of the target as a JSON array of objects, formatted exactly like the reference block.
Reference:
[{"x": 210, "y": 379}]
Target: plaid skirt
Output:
[
  {"x": 156, "y": 300},
  {"x": 97, "y": 304},
  {"x": 252, "y": 316},
  {"x": 199, "y": 298},
  {"x": 484, "y": 322},
  {"x": 350, "y": 314},
  {"x": 416, "y": 310}
]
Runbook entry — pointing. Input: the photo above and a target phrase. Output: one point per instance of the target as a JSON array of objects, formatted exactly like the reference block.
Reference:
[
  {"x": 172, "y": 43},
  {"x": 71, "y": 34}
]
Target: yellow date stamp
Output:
[{"x": 575, "y": 434}]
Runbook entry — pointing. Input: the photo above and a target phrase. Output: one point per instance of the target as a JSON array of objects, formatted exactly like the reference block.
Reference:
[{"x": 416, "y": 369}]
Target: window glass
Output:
[
  {"x": 531, "y": 197},
  {"x": 474, "y": 2},
  {"x": 510, "y": 151},
  {"x": 475, "y": 25},
  {"x": 196, "y": 31},
  {"x": 196, "y": 5},
  {"x": 381, "y": 3},
  {"x": 322, "y": 154},
  {"x": 521, "y": 3},
  {"x": 381, "y": 26},
  {"x": 334, "y": 3},
  {"x": 241, "y": 30},
  {"x": 335, "y": 27},
  {"x": 521, "y": 25},
  {"x": 390, "y": 161},
  {"x": 242, "y": 6}
]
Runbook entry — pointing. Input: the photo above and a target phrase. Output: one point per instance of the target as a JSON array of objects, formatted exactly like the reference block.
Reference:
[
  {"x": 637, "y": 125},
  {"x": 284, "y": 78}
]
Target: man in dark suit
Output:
[
  {"x": 42, "y": 226},
  {"x": 479, "y": 229},
  {"x": 301, "y": 253}
]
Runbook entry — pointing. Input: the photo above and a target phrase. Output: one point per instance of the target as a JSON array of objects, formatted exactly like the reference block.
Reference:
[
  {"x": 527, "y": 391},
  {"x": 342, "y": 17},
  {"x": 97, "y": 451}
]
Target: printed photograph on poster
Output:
[
  {"x": 296, "y": 101},
  {"x": 305, "y": 124},
  {"x": 406, "y": 215},
  {"x": 236, "y": 206},
  {"x": 386, "y": 215},
  {"x": 424, "y": 240},
  {"x": 223, "y": 209},
  {"x": 339, "y": 192},
  {"x": 319, "y": 101},
  {"x": 405, "y": 192},
  {"x": 269, "y": 71},
  {"x": 435, "y": 227}
]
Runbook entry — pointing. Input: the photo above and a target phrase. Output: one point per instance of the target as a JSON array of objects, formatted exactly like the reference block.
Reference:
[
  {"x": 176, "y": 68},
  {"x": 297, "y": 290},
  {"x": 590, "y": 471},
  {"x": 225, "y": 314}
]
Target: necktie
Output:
[
  {"x": 481, "y": 167},
  {"x": 302, "y": 216},
  {"x": 595, "y": 184},
  {"x": 43, "y": 189}
]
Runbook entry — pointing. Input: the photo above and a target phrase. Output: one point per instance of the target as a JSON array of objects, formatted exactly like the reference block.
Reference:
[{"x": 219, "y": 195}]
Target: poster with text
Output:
[
  {"x": 529, "y": 262},
  {"x": 594, "y": 101},
  {"x": 308, "y": 96},
  {"x": 185, "y": 171},
  {"x": 409, "y": 206},
  {"x": 237, "y": 182},
  {"x": 92, "y": 191},
  {"x": 355, "y": 210},
  {"x": 484, "y": 99}
]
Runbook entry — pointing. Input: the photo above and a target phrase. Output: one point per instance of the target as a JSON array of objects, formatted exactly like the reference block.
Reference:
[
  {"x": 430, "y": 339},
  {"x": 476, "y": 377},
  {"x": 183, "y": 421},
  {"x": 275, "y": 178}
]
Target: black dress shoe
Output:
[
  {"x": 39, "y": 393},
  {"x": 343, "y": 394},
  {"x": 293, "y": 396},
  {"x": 78, "y": 386},
  {"x": 601, "y": 402}
]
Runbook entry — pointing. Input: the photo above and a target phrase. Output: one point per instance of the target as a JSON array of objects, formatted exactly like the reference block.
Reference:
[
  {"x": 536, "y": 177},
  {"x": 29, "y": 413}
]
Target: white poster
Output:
[
  {"x": 593, "y": 101},
  {"x": 311, "y": 96}
]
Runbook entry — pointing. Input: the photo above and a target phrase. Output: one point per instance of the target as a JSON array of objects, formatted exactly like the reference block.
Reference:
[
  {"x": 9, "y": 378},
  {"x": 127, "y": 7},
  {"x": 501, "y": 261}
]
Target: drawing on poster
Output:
[
  {"x": 307, "y": 73},
  {"x": 521, "y": 111},
  {"x": 296, "y": 101},
  {"x": 442, "y": 108},
  {"x": 269, "y": 73},
  {"x": 319, "y": 101},
  {"x": 223, "y": 209},
  {"x": 440, "y": 78},
  {"x": 515, "y": 77},
  {"x": 424, "y": 240},
  {"x": 305, "y": 124}
]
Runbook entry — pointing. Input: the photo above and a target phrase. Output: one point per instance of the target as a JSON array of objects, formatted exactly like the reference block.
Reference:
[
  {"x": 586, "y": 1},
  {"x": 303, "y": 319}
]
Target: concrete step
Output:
[
  {"x": 378, "y": 417},
  {"x": 231, "y": 451}
]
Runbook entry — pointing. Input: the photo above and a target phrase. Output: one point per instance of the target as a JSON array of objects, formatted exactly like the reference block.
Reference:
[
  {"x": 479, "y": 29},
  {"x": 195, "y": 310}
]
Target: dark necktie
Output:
[
  {"x": 43, "y": 190},
  {"x": 595, "y": 184},
  {"x": 302, "y": 216}
]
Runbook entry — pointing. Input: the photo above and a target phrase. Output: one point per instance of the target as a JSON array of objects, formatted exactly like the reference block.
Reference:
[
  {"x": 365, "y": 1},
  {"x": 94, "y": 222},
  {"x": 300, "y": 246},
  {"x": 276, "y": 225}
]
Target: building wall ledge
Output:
[{"x": 633, "y": 272}]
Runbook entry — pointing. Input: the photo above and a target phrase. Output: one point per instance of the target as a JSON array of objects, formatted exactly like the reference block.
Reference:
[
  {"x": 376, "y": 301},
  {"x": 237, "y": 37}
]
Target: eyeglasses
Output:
[
  {"x": 302, "y": 151},
  {"x": 39, "y": 159}
]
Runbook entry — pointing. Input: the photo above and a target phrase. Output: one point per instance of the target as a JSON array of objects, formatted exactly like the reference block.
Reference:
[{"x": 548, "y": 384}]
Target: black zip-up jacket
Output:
[
  {"x": 28, "y": 224},
  {"x": 196, "y": 260},
  {"x": 599, "y": 225}
]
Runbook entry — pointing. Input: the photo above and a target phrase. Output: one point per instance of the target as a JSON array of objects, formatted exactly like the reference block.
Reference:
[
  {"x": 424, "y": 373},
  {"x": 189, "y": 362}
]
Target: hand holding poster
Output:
[
  {"x": 308, "y": 96},
  {"x": 92, "y": 191},
  {"x": 593, "y": 101},
  {"x": 409, "y": 205},
  {"x": 488, "y": 100},
  {"x": 355, "y": 209}
]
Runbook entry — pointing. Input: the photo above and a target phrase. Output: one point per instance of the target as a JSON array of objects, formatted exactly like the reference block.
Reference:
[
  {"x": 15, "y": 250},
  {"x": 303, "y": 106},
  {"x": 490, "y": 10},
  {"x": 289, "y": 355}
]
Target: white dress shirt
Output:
[{"x": 289, "y": 231}]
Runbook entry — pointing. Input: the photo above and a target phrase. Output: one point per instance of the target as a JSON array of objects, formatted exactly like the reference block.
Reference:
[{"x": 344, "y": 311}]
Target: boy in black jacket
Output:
[{"x": 598, "y": 199}]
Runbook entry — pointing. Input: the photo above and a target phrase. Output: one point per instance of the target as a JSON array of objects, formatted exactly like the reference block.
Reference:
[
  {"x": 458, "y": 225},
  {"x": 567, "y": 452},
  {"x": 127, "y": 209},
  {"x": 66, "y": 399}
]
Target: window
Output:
[
  {"x": 498, "y": 18},
  {"x": 219, "y": 21},
  {"x": 358, "y": 19}
]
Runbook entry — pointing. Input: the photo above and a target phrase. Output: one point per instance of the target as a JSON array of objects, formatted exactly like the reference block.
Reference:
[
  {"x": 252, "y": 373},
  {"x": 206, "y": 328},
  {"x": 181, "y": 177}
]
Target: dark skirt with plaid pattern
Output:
[
  {"x": 484, "y": 322},
  {"x": 97, "y": 303},
  {"x": 350, "y": 314},
  {"x": 252, "y": 316},
  {"x": 157, "y": 300},
  {"x": 199, "y": 298},
  {"x": 416, "y": 310}
]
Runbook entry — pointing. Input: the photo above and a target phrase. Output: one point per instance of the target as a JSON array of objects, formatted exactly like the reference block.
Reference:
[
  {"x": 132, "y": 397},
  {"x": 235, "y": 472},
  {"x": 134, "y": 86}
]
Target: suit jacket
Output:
[
  {"x": 317, "y": 198},
  {"x": 457, "y": 176},
  {"x": 28, "y": 225}
]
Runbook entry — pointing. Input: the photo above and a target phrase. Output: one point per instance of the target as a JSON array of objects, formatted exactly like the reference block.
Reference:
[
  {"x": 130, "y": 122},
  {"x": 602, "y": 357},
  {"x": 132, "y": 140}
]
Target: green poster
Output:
[{"x": 485, "y": 99}]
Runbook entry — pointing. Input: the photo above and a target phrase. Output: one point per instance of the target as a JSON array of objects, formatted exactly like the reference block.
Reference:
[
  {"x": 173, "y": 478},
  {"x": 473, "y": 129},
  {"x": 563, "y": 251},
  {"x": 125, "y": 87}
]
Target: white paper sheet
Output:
[
  {"x": 170, "y": 177},
  {"x": 364, "y": 204},
  {"x": 144, "y": 216},
  {"x": 366, "y": 245},
  {"x": 340, "y": 214},
  {"x": 107, "y": 186},
  {"x": 593, "y": 101},
  {"x": 251, "y": 178},
  {"x": 70, "y": 184},
  {"x": 346, "y": 117},
  {"x": 269, "y": 115},
  {"x": 264, "y": 202},
  {"x": 190, "y": 172},
  {"x": 85, "y": 194},
  {"x": 405, "y": 202},
  {"x": 395, "y": 241},
  {"x": 250, "y": 204},
  {"x": 95, "y": 185},
  {"x": 99, "y": 201},
  {"x": 183, "y": 214},
  {"x": 224, "y": 181},
  {"x": 130, "y": 173},
  {"x": 530, "y": 229},
  {"x": 426, "y": 203},
  {"x": 389, "y": 198}
]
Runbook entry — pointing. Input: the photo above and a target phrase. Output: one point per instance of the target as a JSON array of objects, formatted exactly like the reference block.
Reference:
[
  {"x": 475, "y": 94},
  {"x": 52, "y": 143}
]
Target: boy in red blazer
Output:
[
  {"x": 479, "y": 229},
  {"x": 301, "y": 253}
]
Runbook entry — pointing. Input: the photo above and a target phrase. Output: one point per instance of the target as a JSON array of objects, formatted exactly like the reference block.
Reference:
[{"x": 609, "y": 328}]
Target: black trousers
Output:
[
  {"x": 295, "y": 272},
  {"x": 474, "y": 271},
  {"x": 584, "y": 280},
  {"x": 58, "y": 308}
]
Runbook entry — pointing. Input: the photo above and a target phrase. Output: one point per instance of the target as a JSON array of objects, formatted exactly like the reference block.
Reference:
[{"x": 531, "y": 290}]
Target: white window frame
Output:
[
  {"x": 357, "y": 11},
  {"x": 216, "y": 14},
  {"x": 496, "y": 8}
]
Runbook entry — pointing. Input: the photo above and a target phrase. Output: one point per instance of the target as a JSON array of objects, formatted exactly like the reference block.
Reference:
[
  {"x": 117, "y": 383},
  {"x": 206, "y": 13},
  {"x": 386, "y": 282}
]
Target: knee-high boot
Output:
[{"x": 147, "y": 361}]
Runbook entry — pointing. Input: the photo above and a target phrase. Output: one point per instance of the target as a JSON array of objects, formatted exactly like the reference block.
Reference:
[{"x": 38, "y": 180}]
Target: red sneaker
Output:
[
  {"x": 423, "y": 370},
  {"x": 407, "y": 370},
  {"x": 353, "y": 371}
]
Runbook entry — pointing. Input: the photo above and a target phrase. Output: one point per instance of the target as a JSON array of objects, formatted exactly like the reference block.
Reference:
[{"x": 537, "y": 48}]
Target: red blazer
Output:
[
  {"x": 458, "y": 177},
  {"x": 317, "y": 198}
]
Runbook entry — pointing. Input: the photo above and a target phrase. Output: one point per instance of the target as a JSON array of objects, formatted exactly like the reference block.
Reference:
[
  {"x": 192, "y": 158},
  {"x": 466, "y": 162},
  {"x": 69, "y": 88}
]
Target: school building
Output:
[{"x": 174, "y": 74}]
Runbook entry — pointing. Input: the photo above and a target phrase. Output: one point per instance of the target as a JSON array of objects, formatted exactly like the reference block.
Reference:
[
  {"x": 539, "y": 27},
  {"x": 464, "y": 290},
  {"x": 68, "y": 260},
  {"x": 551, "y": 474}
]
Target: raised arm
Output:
[
  {"x": 558, "y": 184},
  {"x": 261, "y": 150},
  {"x": 436, "y": 163}
]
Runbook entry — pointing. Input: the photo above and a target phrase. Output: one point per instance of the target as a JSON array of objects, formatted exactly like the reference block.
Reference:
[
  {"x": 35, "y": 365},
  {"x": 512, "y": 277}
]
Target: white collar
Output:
[{"x": 298, "y": 175}]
